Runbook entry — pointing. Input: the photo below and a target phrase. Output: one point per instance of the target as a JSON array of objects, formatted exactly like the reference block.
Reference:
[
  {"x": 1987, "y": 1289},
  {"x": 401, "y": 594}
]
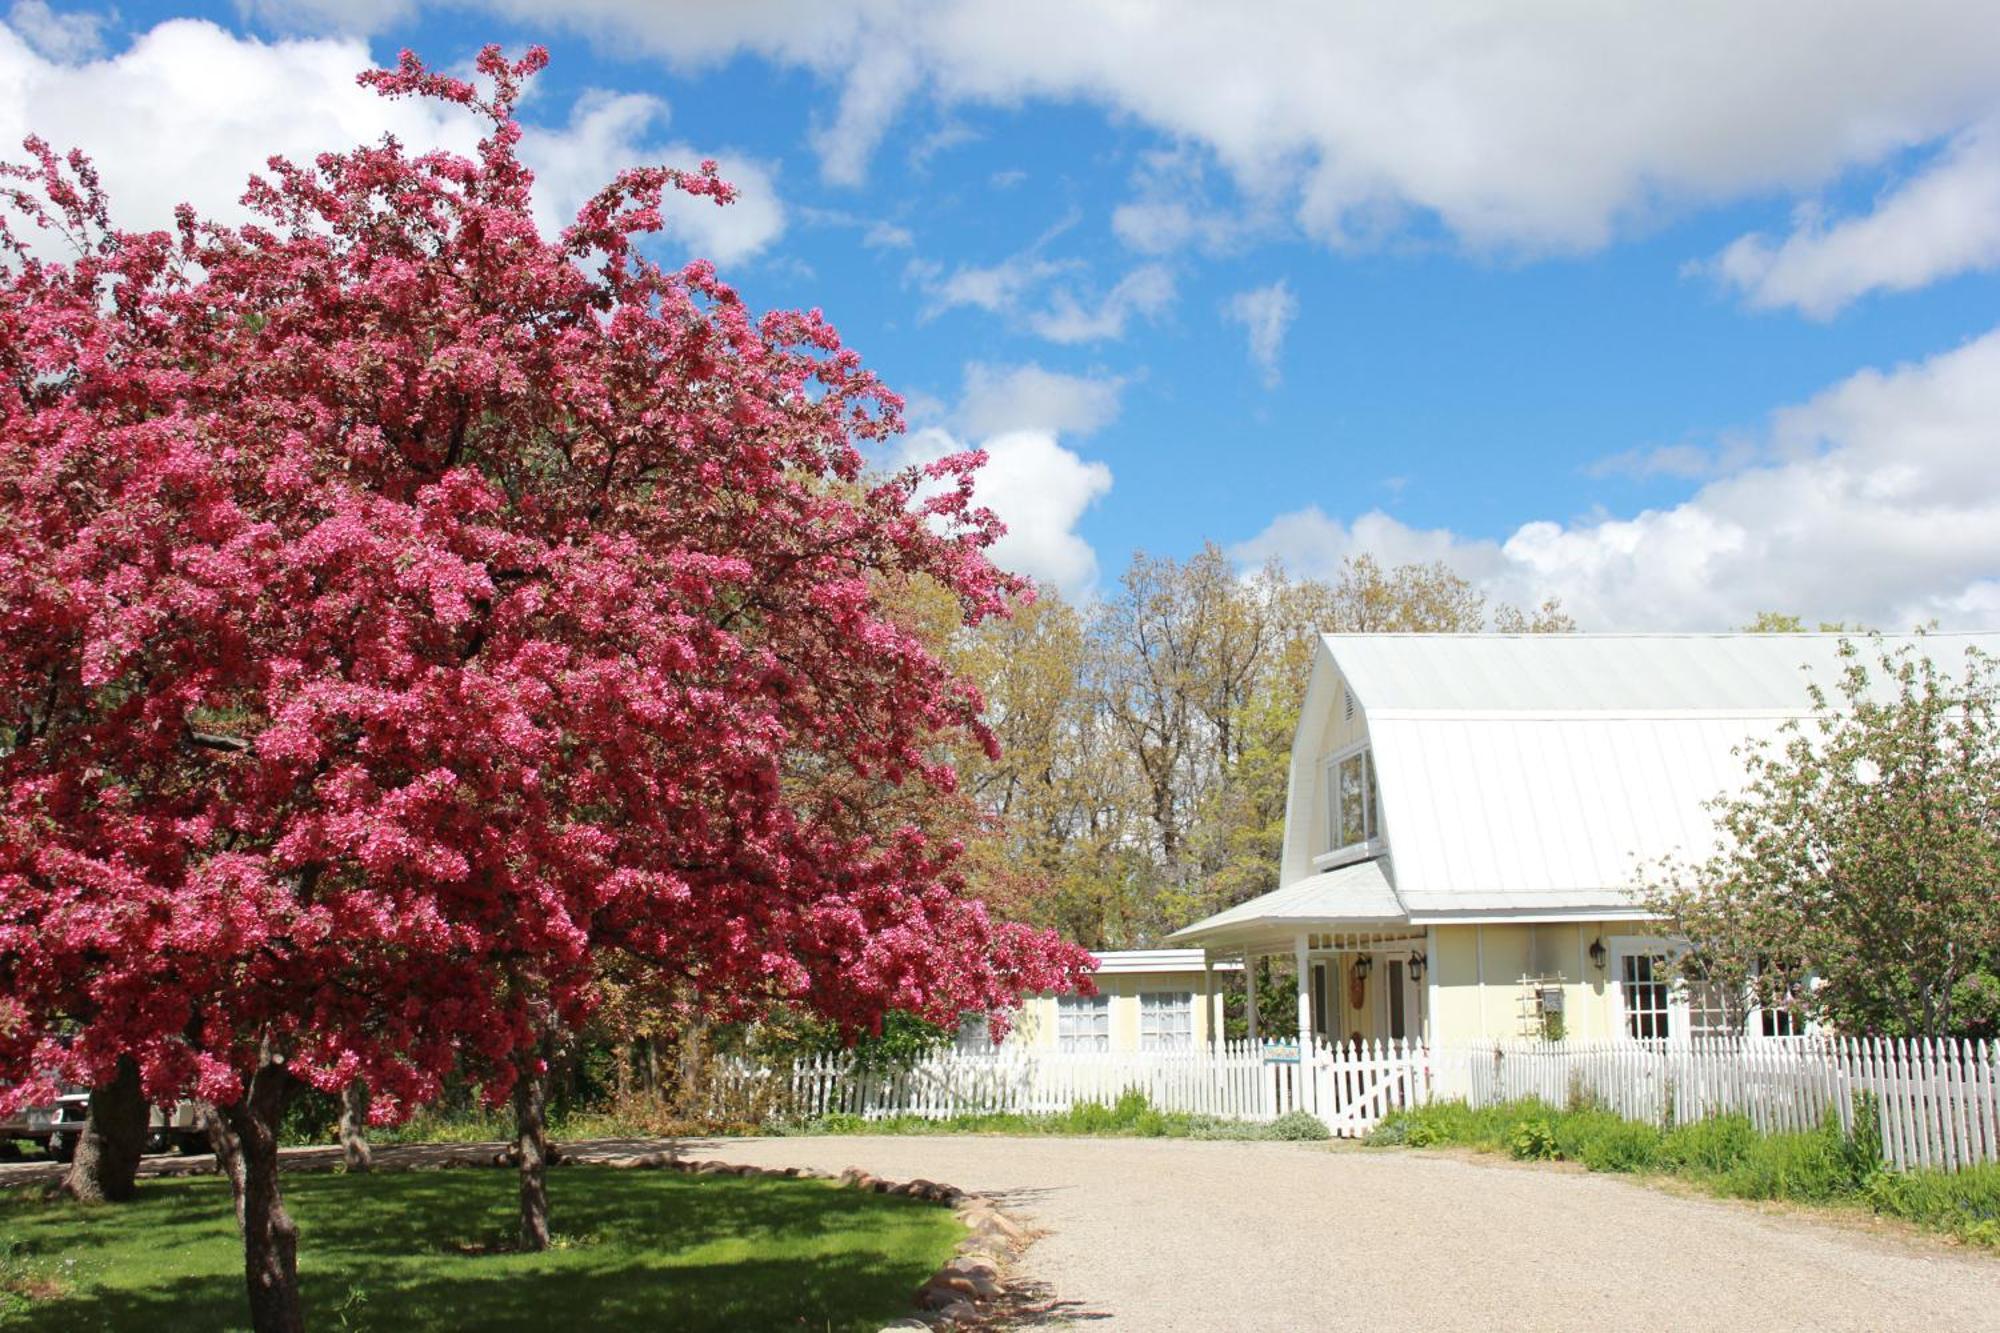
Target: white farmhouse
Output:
[{"x": 1469, "y": 814}]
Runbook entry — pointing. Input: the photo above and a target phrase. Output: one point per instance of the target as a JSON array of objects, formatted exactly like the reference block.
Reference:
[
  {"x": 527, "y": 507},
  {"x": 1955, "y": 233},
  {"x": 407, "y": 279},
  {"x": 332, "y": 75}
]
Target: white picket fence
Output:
[
  {"x": 1938, "y": 1102},
  {"x": 1350, "y": 1088}
]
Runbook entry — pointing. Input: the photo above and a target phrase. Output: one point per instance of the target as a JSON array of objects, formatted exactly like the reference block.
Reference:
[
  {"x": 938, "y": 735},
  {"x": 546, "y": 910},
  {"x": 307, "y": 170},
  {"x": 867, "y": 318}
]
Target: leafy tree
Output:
[
  {"x": 1858, "y": 868},
  {"x": 401, "y": 613}
]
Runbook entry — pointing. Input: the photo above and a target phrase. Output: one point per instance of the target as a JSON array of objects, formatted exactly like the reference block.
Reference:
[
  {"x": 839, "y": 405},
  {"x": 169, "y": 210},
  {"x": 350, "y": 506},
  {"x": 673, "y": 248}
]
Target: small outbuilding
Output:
[{"x": 1147, "y": 1000}]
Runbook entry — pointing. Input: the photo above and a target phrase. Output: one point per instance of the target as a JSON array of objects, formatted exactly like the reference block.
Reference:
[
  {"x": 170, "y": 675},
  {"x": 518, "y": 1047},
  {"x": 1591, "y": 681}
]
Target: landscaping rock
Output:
[{"x": 960, "y": 1312}]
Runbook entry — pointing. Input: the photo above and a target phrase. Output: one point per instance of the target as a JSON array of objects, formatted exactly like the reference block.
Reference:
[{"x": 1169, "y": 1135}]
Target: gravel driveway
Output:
[
  {"x": 1173, "y": 1235},
  {"x": 1162, "y": 1236}
]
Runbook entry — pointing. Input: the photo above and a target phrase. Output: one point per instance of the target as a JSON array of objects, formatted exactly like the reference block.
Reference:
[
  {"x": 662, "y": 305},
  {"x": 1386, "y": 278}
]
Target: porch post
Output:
[
  {"x": 1250, "y": 994},
  {"x": 1208, "y": 1011},
  {"x": 1305, "y": 992},
  {"x": 1307, "y": 1083}
]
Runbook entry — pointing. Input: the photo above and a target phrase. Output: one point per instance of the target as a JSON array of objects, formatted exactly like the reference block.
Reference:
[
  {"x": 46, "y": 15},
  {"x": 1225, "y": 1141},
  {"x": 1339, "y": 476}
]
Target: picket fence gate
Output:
[{"x": 1937, "y": 1103}]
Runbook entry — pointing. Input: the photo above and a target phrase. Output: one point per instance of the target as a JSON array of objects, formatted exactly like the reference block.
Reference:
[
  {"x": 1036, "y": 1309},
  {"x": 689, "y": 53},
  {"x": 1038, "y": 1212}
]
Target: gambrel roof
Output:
[{"x": 1529, "y": 776}]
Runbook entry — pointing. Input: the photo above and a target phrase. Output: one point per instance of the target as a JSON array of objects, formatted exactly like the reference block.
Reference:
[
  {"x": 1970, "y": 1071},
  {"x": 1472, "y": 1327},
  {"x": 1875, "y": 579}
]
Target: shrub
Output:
[
  {"x": 1299, "y": 1126},
  {"x": 1965, "y": 1203},
  {"x": 1532, "y": 1141},
  {"x": 1709, "y": 1147},
  {"x": 1604, "y": 1141}
]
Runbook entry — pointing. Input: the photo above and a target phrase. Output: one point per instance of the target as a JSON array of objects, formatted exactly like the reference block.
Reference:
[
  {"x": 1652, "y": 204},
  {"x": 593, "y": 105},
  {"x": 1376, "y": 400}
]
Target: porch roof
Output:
[{"x": 1345, "y": 897}]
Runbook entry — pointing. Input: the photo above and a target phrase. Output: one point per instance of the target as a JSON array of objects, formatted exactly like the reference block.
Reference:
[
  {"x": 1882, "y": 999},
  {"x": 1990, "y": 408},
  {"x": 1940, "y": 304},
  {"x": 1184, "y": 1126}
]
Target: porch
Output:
[{"x": 1358, "y": 968}]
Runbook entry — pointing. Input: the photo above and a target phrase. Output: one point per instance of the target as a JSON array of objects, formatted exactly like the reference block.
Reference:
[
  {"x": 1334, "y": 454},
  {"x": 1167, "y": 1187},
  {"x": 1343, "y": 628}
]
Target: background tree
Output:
[
  {"x": 402, "y": 612},
  {"x": 1857, "y": 874},
  {"x": 1148, "y": 741}
]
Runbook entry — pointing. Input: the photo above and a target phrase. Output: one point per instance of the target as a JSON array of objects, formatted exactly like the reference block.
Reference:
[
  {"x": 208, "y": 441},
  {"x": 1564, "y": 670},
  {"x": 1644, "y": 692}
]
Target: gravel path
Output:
[
  {"x": 1164, "y": 1236},
  {"x": 1173, "y": 1235}
]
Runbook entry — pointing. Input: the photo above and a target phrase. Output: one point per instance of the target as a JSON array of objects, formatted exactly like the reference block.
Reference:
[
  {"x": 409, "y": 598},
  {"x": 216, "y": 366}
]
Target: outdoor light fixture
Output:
[
  {"x": 1597, "y": 954},
  {"x": 1416, "y": 965},
  {"x": 1364, "y": 965}
]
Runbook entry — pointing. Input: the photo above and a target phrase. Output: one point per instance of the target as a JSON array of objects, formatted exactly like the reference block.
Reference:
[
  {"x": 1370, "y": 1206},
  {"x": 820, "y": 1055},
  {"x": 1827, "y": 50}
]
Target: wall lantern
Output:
[
  {"x": 1363, "y": 965},
  {"x": 1597, "y": 954},
  {"x": 1417, "y": 962}
]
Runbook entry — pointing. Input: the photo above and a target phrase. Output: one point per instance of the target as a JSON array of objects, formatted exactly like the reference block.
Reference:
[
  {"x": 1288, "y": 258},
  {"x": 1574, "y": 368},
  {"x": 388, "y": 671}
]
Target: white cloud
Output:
[
  {"x": 357, "y": 18},
  {"x": 65, "y": 38},
  {"x": 1265, "y": 313},
  {"x": 998, "y": 399},
  {"x": 1146, "y": 291},
  {"x": 607, "y": 133},
  {"x": 215, "y": 106},
  {"x": 1941, "y": 222},
  {"x": 1877, "y": 500},
  {"x": 995, "y": 288},
  {"x": 887, "y": 236},
  {"x": 1040, "y": 490},
  {"x": 1549, "y": 129},
  {"x": 1024, "y": 288}
]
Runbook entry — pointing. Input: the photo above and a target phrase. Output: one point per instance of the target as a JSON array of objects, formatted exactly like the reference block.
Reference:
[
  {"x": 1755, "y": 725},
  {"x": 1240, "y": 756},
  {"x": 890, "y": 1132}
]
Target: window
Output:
[
  {"x": 975, "y": 1034},
  {"x": 1659, "y": 1008},
  {"x": 1354, "y": 813},
  {"x": 1083, "y": 1022},
  {"x": 1780, "y": 1023},
  {"x": 1166, "y": 1021},
  {"x": 1648, "y": 1010}
]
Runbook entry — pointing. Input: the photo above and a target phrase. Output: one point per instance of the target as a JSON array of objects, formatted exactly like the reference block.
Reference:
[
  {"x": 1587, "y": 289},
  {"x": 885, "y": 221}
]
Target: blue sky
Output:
[{"x": 1675, "y": 318}]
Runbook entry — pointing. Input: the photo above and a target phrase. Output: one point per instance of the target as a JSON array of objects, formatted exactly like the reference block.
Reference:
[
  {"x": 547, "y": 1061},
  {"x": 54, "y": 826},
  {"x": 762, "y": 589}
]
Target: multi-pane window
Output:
[
  {"x": 1083, "y": 1022},
  {"x": 1166, "y": 1020},
  {"x": 975, "y": 1033},
  {"x": 1647, "y": 1001},
  {"x": 1708, "y": 1016},
  {"x": 1354, "y": 816},
  {"x": 1779, "y": 1023}
]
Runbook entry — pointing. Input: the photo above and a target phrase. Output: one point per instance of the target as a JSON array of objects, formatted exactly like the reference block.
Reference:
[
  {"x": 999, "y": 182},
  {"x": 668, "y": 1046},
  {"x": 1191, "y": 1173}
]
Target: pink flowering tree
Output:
[{"x": 401, "y": 612}]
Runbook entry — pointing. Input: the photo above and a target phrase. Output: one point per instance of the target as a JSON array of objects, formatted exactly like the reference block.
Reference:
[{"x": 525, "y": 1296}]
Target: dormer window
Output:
[{"x": 1354, "y": 820}]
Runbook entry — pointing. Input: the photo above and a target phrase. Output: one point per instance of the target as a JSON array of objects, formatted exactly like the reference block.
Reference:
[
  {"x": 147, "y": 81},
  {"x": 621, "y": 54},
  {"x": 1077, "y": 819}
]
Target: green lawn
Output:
[{"x": 426, "y": 1250}]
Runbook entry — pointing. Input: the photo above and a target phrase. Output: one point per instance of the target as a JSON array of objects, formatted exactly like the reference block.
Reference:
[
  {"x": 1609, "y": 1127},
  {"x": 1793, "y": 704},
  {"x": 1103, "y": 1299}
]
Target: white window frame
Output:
[
  {"x": 1177, "y": 1005},
  {"x": 1635, "y": 946},
  {"x": 1372, "y": 842},
  {"x": 1680, "y": 1013},
  {"x": 1091, "y": 1011}
]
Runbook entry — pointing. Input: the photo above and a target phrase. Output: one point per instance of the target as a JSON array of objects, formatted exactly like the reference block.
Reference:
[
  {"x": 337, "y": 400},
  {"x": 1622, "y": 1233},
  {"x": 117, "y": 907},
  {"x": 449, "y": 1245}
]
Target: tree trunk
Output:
[
  {"x": 106, "y": 1166},
  {"x": 245, "y": 1135},
  {"x": 532, "y": 1143},
  {"x": 354, "y": 1126}
]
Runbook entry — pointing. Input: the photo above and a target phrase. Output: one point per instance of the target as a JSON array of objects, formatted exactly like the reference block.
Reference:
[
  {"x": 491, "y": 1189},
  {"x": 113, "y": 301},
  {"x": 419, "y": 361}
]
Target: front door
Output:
[{"x": 1403, "y": 1001}]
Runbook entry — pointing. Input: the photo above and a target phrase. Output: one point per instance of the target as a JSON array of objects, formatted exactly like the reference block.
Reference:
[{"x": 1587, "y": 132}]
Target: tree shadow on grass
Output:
[{"x": 430, "y": 1250}]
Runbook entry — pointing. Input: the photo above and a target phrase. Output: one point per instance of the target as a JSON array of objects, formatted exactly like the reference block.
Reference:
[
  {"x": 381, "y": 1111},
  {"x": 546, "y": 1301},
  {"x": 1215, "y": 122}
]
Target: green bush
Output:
[
  {"x": 1299, "y": 1126},
  {"x": 1604, "y": 1141},
  {"x": 1708, "y": 1147},
  {"x": 1965, "y": 1203},
  {"x": 1532, "y": 1141}
]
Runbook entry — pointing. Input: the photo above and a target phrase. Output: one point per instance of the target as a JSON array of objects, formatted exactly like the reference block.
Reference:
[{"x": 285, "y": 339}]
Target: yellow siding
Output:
[
  {"x": 1462, "y": 1006},
  {"x": 1036, "y": 1025},
  {"x": 1339, "y": 732}
]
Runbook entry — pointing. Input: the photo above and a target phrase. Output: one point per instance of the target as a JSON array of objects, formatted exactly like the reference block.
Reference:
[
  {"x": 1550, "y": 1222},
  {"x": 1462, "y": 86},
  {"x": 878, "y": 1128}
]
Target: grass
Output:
[
  {"x": 1131, "y": 1116},
  {"x": 429, "y": 1250},
  {"x": 1725, "y": 1155}
]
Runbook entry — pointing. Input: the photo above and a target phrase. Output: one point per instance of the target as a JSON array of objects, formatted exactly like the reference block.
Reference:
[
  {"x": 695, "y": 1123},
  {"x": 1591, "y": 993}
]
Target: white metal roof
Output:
[
  {"x": 1119, "y": 961},
  {"x": 1348, "y": 895},
  {"x": 1630, "y": 675},
  {"x": 1533, "y": 775}
]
